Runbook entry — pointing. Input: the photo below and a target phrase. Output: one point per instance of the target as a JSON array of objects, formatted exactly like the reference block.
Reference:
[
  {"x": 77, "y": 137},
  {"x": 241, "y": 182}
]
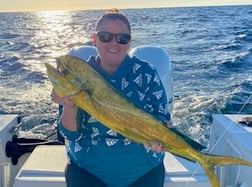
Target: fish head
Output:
[
  {"x": 83, "y": 74},
  {"x": 64, "y": 83},
  {"x": 79, "y": 68}
]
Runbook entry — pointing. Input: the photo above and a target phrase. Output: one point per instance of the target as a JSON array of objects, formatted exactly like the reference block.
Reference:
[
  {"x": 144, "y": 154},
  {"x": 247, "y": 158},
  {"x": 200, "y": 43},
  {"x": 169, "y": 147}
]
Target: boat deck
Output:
[{"x": 47, "y": 162}]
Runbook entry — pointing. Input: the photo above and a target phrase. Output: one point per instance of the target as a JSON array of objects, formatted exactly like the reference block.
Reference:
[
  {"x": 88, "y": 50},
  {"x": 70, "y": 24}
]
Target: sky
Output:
[{"x": 40, "y": 5}]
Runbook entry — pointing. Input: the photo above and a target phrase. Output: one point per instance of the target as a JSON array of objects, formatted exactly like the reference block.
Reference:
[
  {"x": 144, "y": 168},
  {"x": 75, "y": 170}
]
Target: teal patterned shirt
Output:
[{"x": 113, "y": 158}]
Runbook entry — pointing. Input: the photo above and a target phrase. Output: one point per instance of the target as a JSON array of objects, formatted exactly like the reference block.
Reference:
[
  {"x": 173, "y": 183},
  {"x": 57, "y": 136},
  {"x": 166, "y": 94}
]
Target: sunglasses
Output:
[{"x": 106, "y": 37}]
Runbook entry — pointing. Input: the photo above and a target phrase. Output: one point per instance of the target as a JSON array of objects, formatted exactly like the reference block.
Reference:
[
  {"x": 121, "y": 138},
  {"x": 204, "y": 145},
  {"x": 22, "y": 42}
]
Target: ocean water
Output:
[{"x": 210, "y": 48}]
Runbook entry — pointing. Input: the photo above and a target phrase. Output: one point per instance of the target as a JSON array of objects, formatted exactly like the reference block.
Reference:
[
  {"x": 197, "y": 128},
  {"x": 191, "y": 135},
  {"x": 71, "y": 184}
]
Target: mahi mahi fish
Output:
[{"x": 91, "y": 92}]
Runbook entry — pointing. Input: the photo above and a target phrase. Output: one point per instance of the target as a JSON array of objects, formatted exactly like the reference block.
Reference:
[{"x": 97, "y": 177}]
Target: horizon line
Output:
[{"x": 125, "y": 8}]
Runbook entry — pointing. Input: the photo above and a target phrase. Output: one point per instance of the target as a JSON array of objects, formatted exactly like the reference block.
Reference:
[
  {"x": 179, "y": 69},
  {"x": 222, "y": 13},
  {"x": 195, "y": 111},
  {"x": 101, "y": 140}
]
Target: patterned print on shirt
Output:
[
  {"x": 129, "y": 94},
  {"x": 112, "y": 133},
  {"x": 95, "y": 132},
  {"x": 94, "y": 142},
  {"x": 157, "y": 80},
  {"x": 124, "y": 84},
  {"x": 126, "y": 141},
  {"x": 141, "y": 95},
  {"x": 149, "y": 107},
  {"x": 111, "y": 141},
  {"x": 139, "y": 80},
  {"x": 162, "y": 109},
  {"x": 136, "y": 67},
  {"x": 158, "y": 94},
  {"x": 77, "y": 147},
  {"x": 149, "y": 77},
  {"x": 91, "y": 120}
]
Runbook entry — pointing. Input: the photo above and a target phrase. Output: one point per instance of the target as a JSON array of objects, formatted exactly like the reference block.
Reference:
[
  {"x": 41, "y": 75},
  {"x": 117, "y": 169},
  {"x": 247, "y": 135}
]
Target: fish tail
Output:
[{"x": 208, "y": 163}]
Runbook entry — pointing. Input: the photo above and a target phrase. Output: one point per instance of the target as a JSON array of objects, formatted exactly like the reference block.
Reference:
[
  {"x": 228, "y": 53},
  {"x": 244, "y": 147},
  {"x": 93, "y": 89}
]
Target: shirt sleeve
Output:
[{"x": 73, "y": 135}]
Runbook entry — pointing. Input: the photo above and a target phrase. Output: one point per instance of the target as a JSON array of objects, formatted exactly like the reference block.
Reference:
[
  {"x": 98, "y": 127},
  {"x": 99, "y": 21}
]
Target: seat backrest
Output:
[
  {"x": 160, "y": 59},
  {"x": 83, "y": 52}
]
